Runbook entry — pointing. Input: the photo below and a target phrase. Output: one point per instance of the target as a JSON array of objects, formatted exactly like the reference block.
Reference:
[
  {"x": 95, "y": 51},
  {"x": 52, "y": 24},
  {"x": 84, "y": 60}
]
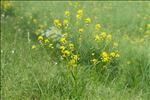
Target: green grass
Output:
[{"x": 28, "y": 74}]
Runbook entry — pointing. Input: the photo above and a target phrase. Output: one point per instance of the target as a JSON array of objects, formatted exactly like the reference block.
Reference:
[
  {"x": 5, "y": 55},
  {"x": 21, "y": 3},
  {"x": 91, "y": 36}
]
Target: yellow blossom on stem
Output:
[
  {"x": 97, "y": 38},
  {"x": 109, "y": 37},
  {"x": 40, "y": 38},
  {"x": 88, "y": 20},
  {"x": 57, "y": 23},
  {"x": 46, "y": 41},
  {"x": 97, "y": 26},
  {"x": 67, "y": 13},
  {"x": 33, "y": 46},
  {"x": 103, "y": 34},
  {"x": 81, "y": 30},
  {"x": 71, "y": 46},
  {"x": 51, "y": 46},
  {"x": 66, "y": 23},
  {"x": 104, "y": 57},
  {"x": 94, "y": 61},
  {"x": 63, "y": 41}
]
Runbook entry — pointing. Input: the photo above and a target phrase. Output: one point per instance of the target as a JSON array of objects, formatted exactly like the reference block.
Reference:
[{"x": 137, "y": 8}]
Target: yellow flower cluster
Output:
[
  {"x": 57, "y": 23},
  {"x": 63, "y": 41},
  {"x": 97, "y": 26},
  {"x": 102, "y": 36},
  {"x": 105, "y": 57},
  {"x": 94, "y": 61},
  {"x": 66, "y": 23},
  {"x": 73, "y": 61},
  {"x": 79, "y": 14},
  {"x": 88, "y": 21},
  {"x": 67, "y": 13}
]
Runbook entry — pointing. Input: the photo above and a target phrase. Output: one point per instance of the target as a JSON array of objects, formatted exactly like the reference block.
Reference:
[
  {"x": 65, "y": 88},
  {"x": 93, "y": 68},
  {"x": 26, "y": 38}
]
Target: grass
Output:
[{"x": 40, "y": 74}]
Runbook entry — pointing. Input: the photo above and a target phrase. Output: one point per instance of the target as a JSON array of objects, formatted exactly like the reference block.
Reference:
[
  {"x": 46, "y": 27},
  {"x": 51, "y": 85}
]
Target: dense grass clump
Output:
[{"x": 75, "y": 50}]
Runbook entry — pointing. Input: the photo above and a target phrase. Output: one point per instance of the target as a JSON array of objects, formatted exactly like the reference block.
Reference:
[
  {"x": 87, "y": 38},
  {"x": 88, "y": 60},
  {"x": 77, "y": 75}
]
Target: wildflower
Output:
[
  {"x": 103, "y": 34},
  {"x": 112, "y": 54},
  {"x": 88, "y": 20},
  {"x": 65, "y": 23},
  {"x": 97, "y": 26},
  {"x": 78, "y": 17},
  {"x": 51, "y": 46},
  {"x": 81, "y": 30},
  {"x": 66, "y": 53},
  {"x": 62, "y": 48},
  {"x": 63, "y": 41},
  {"x": 109, "y": 37},
  {"x": 71, "y": 46},
  {"x": 104, "y": 57},
  {"x": 67, "y": 14},
  {"x": 75, "y": 57},
  {"x": 40, "y": 38},
  {"x": 57, "y": 23},
  {"x": 97, "y": 38},
  {"x": 72, "y": 62},
  {"x": 46, "y": 41},
  {"x": 79, "y": 14},
  {"x": 115, "y": 45},
  {"x": 33, "y": 46},
  {"x": 94, "y": 61}
]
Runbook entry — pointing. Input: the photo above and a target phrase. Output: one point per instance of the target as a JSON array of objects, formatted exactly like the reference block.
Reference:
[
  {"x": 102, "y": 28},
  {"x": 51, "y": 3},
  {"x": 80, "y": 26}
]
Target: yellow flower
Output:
[
  {"x": 66, "y": 53},
  {"x": 112, "y": 54},
  {"x": 75, "y": 57},
  {"x": 81, "y": 30},
  {"x": 57, "y": 23},
  {"x": 94, "y": 61},
  {"x": 63, "y": 41},
  {"x": 109, "y": 37},
  {"x": 65, "y": 23},
  {"x": 97, "y": 38},
  {"x": 105, "y": 60},
  {"x": 103, "y": 34},
  {"x": 51, "y": 46},
  {"x": 40, "y": 38},
  {"x": 33, "y": 46},
  {"x": 71, "y": 46},
  {"x": 115, "y": 45},
  {"x": 62, "y": 48},
  {"x": 97, "y": 26},
  {"x": 78, "y": 17},
  {"x": 46, "y": 41},
  {"x": 67, "y": 13},
  {"x": 88, "y": 20},
  {"x": 104, "y": 57},
  {"x": 80, "y": 12},
  {"x": 72, "y": 62}
]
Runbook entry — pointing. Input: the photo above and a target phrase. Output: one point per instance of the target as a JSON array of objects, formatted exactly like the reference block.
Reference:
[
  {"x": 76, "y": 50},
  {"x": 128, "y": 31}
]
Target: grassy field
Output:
[{"x": 75, "y": 50}]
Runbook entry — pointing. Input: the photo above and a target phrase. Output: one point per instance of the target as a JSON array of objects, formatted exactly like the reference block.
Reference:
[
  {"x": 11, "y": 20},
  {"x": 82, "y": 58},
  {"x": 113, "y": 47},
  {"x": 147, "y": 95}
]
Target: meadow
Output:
[{"x": 63, "y": 50}]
